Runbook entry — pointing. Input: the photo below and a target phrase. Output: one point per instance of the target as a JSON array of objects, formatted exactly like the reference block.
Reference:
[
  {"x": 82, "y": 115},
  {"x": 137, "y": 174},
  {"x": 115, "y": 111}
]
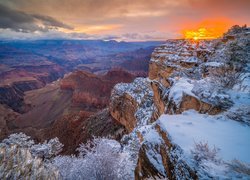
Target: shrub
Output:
[
  {"x": 239, "y": 167},
  {"x": 100, "y": 158},
  {"x": 203, "y": 152},
  {"x": 47, "y": 150},
  {"x": 19, "y": 139}
]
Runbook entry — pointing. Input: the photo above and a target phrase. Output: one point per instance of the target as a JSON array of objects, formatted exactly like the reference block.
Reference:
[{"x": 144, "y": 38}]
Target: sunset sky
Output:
[{"x": 129, "y": 20}]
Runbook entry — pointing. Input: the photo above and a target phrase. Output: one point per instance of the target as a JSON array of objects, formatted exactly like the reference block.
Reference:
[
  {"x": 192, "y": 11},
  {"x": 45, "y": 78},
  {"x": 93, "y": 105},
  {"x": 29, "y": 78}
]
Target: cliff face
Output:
[
  {"x": 183, "y": 76},
  {"x": 129, "y": 103},
  {"x": 173, "y": 69},
  {"x": 159, "y": 157}
]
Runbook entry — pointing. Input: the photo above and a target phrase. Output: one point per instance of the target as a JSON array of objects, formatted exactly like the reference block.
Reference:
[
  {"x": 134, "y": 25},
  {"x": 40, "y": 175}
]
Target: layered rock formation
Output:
[
  {"x": 19, "y": 79},
  {"x": 173, "y": 69},
  {"x": 90, "y": 91}
]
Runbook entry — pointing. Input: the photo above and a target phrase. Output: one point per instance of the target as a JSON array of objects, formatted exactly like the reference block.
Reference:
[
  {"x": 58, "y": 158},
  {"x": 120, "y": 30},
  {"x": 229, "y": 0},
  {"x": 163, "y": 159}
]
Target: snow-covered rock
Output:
[{"x": 132, "y": 103}]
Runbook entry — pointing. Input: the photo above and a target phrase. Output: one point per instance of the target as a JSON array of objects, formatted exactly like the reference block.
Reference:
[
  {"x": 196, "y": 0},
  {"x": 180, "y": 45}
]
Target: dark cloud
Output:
[{"x": 23, "y": 22}]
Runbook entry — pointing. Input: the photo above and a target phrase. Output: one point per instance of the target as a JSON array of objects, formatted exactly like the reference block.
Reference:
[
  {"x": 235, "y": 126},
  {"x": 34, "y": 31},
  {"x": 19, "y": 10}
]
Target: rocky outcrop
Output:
[
  {"x": 159, "y": 158},
  {"x": 174, "y": 68},
  {"x": 123, "y": 110},
  {"x": 132, "y": 104},
  {"x": 171, "y": 94}
]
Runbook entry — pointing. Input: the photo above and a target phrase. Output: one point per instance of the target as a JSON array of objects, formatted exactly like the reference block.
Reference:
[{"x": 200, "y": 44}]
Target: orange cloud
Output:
[{"x": 93, "y": 29}]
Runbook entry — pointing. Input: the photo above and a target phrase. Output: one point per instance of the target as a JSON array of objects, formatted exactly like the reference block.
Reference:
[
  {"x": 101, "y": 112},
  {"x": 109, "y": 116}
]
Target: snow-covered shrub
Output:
[
  {"x": 17, "y": 162},
  {"x": 19, "y": 139},
  {"x": 239, "y": 167},
  {"x": 202, "y": 152},
  {"x": 47, "y": 149},
  {"x": 240, "y": 114},
  {"x": 98, "y": 159}
]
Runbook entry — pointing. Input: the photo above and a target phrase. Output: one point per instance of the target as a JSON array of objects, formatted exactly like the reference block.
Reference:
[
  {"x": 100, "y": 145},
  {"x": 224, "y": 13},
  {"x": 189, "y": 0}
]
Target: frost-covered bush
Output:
[
  {"x": 47, "y": 149},
  {"x": 19, "y": 139},
  {"x": 98, "y": 159},
  {"x": 239, "y": 167},
  {"x": 240, "y": 114},
  {"x": 203, "y": 152},
  {"x": 17, "y": 162},
  {"x": 236, "y": 29}
]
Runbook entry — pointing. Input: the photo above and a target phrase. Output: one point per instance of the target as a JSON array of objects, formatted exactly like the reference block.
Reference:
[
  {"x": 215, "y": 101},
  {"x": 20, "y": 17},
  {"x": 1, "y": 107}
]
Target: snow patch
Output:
[
  {"x": 229, "y": 136},
  {"x": 179, "y": 88}
]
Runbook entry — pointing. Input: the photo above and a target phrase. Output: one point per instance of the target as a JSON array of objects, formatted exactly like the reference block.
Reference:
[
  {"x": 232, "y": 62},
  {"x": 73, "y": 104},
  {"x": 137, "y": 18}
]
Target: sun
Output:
[
  {"x": 201, "y": 33},
  {"x": 195, "y": 38}
]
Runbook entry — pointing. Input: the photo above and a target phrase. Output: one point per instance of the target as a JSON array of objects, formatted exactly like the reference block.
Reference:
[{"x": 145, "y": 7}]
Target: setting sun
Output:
[{"x": 201, "y": 33}]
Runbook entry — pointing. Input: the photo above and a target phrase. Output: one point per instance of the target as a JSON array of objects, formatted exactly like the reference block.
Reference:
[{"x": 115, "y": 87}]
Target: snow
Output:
[
  {"x": 180, "y": 87},
  {"x": 192, "y": 59},
  {"x": 213, "y": 64},
  {"x": 137, "y": 89},
  {"x": 231, "y": 137},
  {"x": 140, "y": 90},
  {"x": 156, "y": 160},
  {"x": 153, "y": 137}
]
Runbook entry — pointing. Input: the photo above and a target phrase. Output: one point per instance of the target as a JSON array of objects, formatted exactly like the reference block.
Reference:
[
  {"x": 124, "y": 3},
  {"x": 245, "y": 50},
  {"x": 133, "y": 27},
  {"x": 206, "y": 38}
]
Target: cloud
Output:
[
  {"x": 7, "y": 34},
  {"x": 23, "y": 22}
]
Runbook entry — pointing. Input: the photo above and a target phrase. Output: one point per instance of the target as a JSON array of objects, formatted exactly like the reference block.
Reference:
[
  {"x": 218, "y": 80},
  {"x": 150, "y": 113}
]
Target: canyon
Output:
[
  {"x": 69, "y": 104},
  {"x": 29, "y": 65},
  {"x": 45, "y": 85}
]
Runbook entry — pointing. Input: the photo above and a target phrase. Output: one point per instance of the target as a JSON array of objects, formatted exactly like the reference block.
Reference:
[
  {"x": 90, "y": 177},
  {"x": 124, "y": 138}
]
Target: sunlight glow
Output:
[{"x": 202, "y": 33}]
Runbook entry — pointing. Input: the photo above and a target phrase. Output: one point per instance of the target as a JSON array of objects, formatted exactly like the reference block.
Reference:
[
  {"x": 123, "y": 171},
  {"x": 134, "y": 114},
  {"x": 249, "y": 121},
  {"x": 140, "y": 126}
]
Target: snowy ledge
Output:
[{"x": 190, "y": 127}]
